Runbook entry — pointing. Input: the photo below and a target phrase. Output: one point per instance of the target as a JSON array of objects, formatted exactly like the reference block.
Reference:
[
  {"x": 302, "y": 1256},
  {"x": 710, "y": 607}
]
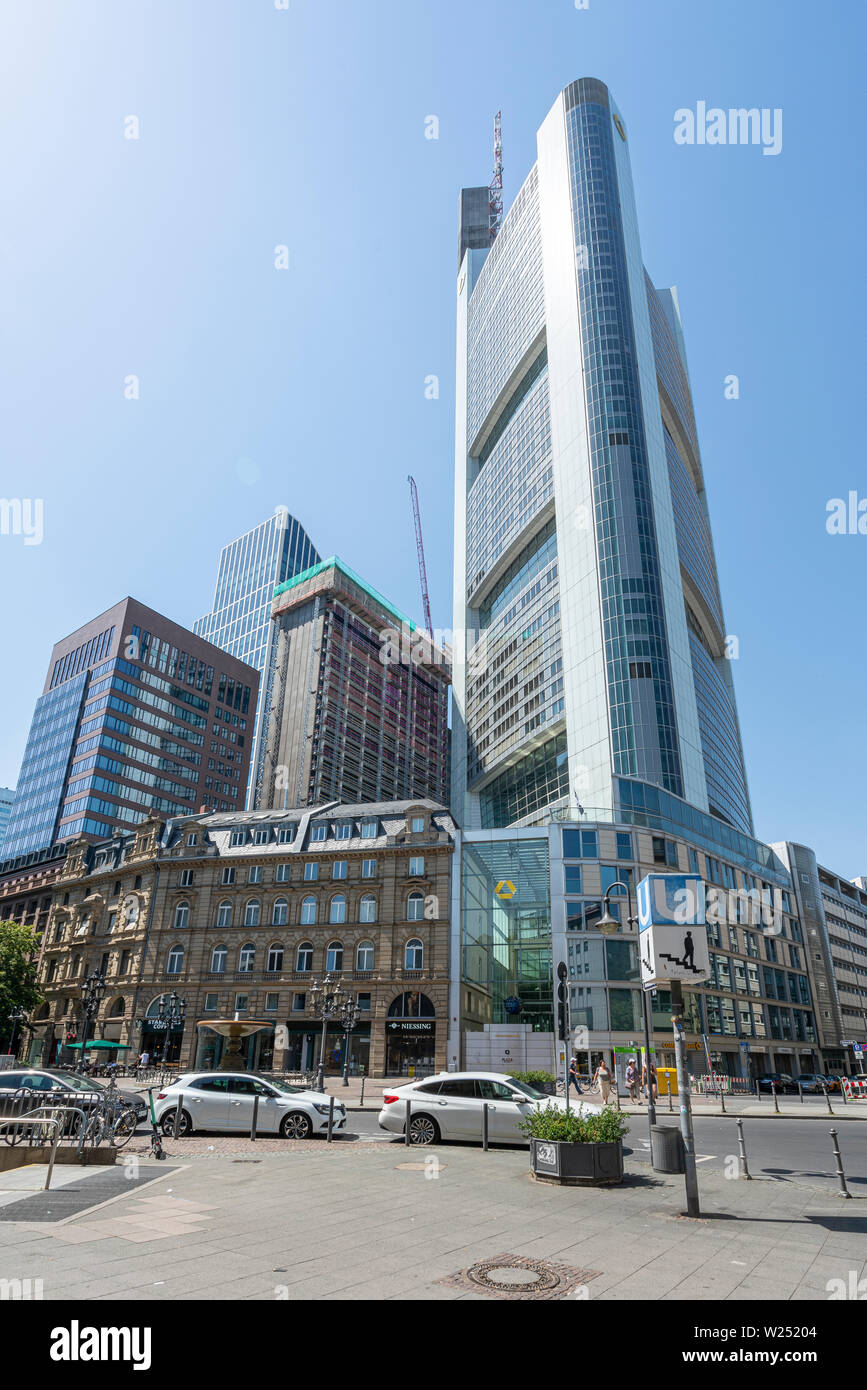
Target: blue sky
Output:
[{"x": 306, "y": 127}]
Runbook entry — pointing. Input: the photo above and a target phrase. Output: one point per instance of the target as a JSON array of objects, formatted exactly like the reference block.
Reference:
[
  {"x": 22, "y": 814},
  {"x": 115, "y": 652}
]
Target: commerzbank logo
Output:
[{"x": 505, "y": 889}]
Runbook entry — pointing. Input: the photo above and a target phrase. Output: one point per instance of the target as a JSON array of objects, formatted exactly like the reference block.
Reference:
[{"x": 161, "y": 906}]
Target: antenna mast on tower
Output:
[{"x": 495, "y": 187}]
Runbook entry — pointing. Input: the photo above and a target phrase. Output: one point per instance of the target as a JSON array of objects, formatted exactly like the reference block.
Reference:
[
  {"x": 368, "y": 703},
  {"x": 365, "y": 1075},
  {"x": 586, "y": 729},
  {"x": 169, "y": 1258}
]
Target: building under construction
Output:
[{"x": 359, "y": 706}]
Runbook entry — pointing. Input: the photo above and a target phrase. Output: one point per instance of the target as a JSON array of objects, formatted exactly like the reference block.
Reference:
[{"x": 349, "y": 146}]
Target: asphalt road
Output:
[{"x": 789, "y": 1150}]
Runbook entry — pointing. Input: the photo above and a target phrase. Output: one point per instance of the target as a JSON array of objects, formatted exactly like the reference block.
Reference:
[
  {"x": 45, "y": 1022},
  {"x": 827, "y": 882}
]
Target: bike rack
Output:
[{"x": 51, "y": 1117}]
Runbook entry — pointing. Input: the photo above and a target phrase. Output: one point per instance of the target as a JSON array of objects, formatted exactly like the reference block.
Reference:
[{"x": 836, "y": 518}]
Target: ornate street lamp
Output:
[
  {"x": 326, "y": 1000},
  {"x": 171, "y": 1011},
  {"x": 609, "y": 926},
  {"x": 349, "y": 1018},
  {"x": 92, "y": 991}
]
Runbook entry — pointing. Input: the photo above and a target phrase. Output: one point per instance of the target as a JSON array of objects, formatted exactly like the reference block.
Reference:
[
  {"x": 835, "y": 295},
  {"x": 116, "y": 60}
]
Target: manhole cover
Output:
[
  {"x": 517, "y": 1276},
  {"x": 499, "y": 1275}
]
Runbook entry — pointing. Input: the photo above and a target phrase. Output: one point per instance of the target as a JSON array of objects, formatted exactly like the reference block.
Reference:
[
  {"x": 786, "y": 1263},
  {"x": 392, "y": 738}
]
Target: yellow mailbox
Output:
[{"x": 667, "y": 1078}]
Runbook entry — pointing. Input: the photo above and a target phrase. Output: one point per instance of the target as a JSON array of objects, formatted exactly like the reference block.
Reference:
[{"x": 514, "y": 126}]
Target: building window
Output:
[
  {"x": 364, "y": 955},
  {"x": 572, "y": 878},
  {"x": 416, "y": 866},
  {"x": 254, "y": 873},
  {"x": 338, "y": 868},
  {"x": 343, "y": 832},
  {"x": 299, "y": 1002},
  {"x": 368, "y": 868},
  {"x": 182, "y": 915},
  {"x": 210, "y": 1003},
  {"x": 241, "y": 1001},
  {"x": 282, "y": 874},
  {"x": 580, "y": 844},
  {"x": 261, "y": 836},
  {"x": 224, "y": 913},
  {"x": 624, "y": 844},
  {"x": 238, "y": 837},
  {"x": 415, "y": 907},
  {"x": 271, "y": 1002},
  {"x": 247, "y": 958},
  {"x": 187, "y": 878},
  {"x": 363, "y": 1003},
  {"x": 417, "y": 825},
  {"x": 228, "y": 876},
  {"x": 219, "y": 956},
  {"x": 251, "y": 913},
  {"x": 334, "y": 957},
  {"x": 367, "y": 908},
  {"x": 337, "y": 910},
  {"x": 175, "y": 961},
  {"x": 308, "y": 912},
  {"x": 275, "y": 958},
  {"x": 369, "y": 829},
  {"x": 664, "y": 851},
  {"x": 311, "y": 873},
  {"x": 318, "y": 833},
  {"x": 280, "y": 912},
  {"x": 304, "y": 957},
  {"x": 413, "y": 955},
  {"x": 285, "y": 835}
]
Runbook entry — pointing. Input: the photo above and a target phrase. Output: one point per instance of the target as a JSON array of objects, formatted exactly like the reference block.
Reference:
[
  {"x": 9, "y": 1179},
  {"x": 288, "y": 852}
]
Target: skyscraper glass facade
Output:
[
  {"x": 585, "y": 577},
  {"x": 240, "y": 617}
]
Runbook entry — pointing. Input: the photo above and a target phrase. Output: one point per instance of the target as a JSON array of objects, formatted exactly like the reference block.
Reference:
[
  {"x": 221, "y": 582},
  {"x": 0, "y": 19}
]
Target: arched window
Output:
[
  {"x": 219, "y": 956},
  {"x": 334, "y": 956},
  {"x": 275, "y": 958},
  {"x": 280, "y": 913},
  {"x": 337, "y": 911},
  {"x": 247, "y": 958},
  {"x": 413, "y": 955},
  {"x": 175, "y": 962},
  {"x": 117, "y": 1009},
  {"x": 304, "y": 957},
  {"x": 182, "y": 915},
  {"x": 364, "y": 955},
  {"x": 367, "y": 908},
  {"x": 251, "y": 913},
  {"x": 308, "y": 912},
  {"x": 415, "y": 907},
  {"x": 224, "y": 914},
  {"x": 412, "y": 1004}
]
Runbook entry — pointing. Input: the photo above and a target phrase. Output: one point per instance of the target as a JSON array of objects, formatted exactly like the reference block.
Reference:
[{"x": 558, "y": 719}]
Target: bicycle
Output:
[{"x": 111, "y": 1121}]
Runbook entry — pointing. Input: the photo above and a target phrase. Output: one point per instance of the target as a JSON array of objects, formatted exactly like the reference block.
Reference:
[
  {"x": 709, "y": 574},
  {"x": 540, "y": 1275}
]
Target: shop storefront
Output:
[
  {"x": 410, "y": 1036},
  {"x": 305, "y": 1040},
  {"x": 161, "y": 1041}
]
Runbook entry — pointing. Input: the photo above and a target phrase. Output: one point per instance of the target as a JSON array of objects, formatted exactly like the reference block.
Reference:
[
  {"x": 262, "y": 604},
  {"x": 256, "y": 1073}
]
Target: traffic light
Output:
[{"x": 562, "y": 1002}]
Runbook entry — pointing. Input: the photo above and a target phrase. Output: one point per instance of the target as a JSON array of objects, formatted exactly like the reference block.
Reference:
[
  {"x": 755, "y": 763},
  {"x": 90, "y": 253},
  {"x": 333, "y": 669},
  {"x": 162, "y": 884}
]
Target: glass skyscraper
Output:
[
  {"x": 596, "y": 669},
  {"x": 240, "y": 617}
]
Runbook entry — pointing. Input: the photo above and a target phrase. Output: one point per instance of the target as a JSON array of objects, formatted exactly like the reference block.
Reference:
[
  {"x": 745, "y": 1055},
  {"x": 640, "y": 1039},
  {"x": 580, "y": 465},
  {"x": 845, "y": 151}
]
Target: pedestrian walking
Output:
[
  {"x": 602, "y": 1077},
  {"x": 654, "y": 1089},
  {"x": 573, "y": 1075},
  {"x": 631, "y": 1079},
  {"x": 144, "y": 1058}
]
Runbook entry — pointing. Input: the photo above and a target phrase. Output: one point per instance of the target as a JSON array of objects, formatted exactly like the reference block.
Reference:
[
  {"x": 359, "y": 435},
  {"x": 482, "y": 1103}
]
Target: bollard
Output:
[
  {"x": 722, "y": 1099},
  {"x": 177, "y": 1123},
  {"x": 362, "y": 1090},
  {"x": 330, "y": 1117},
  {"x": 255, "y": 1118},
  {"x": 844, "y": 1191},
  {"x": 828, "y": 1100},
  {"x": 801, "y": 1092},
  {"x": 742, "y": 1152},
  {"x": 774, "y": 1093},
  {"x": 843, "y": 1093},
  {"x": 485, "y": 1127},
  {"x": 670, "y": 1106},
  {"x": 408, "y": 1117}
]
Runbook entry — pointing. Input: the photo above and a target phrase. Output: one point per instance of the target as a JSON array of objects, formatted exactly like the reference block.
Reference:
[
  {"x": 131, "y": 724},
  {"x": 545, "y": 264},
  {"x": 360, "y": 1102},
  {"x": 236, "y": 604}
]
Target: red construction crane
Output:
[{"x": 422, "y": 570}]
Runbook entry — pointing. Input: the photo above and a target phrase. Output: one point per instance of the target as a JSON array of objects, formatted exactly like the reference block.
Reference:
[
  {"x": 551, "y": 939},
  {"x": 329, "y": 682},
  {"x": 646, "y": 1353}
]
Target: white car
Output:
[
  {"x": 220, "y": 1100},
  {"x": 449, "y": 1106}
]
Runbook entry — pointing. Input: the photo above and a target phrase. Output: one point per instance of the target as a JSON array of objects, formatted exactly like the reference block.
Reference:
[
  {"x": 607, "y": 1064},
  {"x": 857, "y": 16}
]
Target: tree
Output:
[{"x": 19, "y": 947}]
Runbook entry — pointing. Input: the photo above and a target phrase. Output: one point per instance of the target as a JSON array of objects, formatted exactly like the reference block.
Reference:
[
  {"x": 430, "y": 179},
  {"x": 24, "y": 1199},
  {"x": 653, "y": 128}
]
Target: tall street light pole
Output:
[
  {"x": 609, "y": 926},
  {"x": 349, "y": 1017},
  {"x": 326, "y": 1003},
  {"x": 92, "y": 990}
]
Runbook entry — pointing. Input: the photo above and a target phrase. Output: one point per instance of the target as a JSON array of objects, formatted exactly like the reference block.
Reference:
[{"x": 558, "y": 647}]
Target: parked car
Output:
[
  {"x": 449, "y": 1106},
  {"x": 56, "y": 1085},
  {"x": 813, "y": 1083},
  {"x": 219, "y": 1100},
  {"x": 783, "y": 1082}
]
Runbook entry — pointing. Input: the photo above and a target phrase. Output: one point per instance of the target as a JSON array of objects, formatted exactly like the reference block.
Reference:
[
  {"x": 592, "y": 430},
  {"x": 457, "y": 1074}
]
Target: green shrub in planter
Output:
[
  {"x": 534, "y": 1078},
  {"x": 605, "y": 1126}
]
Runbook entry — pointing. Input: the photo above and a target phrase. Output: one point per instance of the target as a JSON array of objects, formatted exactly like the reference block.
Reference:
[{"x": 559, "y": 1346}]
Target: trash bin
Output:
[
  {"x": 666, "y": 1149},
  {"x": 667, "y": 1080}
]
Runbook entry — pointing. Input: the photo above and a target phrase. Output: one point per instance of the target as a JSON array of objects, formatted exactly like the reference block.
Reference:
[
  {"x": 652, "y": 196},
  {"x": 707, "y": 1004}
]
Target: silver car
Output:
[
  {"x": 449, "y": 1106},
  {"x": 223, "y": 1101}
]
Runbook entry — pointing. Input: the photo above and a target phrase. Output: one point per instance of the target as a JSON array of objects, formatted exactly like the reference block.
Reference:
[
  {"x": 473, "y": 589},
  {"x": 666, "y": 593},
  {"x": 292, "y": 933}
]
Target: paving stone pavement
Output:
[{"x": 376, "y": 1222}]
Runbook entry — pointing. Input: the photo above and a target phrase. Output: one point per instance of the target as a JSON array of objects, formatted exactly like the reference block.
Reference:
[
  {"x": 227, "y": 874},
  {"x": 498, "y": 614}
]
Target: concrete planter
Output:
[{"x": 576, "y": 1165}]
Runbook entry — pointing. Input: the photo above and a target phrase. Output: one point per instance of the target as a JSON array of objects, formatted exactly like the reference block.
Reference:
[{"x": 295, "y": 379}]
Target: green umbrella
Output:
[{"x": 101, "y": 1042}]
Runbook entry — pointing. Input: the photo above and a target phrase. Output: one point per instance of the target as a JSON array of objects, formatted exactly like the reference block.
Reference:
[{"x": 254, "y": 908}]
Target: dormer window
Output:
[
  {"x": 285, "y": 835},
  {"x": 318, "y": 833},
  {"x": 261, "y": 836},
  {"x": 369, "y": 830},
  {"x": 192, "y": 839},
  {"x": 343, "y": 832},
  {"x": 238, "y": 837},
  {"x": 417, "y": 825}
]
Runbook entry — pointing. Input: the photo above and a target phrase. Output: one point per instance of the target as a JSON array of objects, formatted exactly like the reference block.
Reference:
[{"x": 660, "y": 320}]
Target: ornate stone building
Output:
[{"x": 240, "y": 913}]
